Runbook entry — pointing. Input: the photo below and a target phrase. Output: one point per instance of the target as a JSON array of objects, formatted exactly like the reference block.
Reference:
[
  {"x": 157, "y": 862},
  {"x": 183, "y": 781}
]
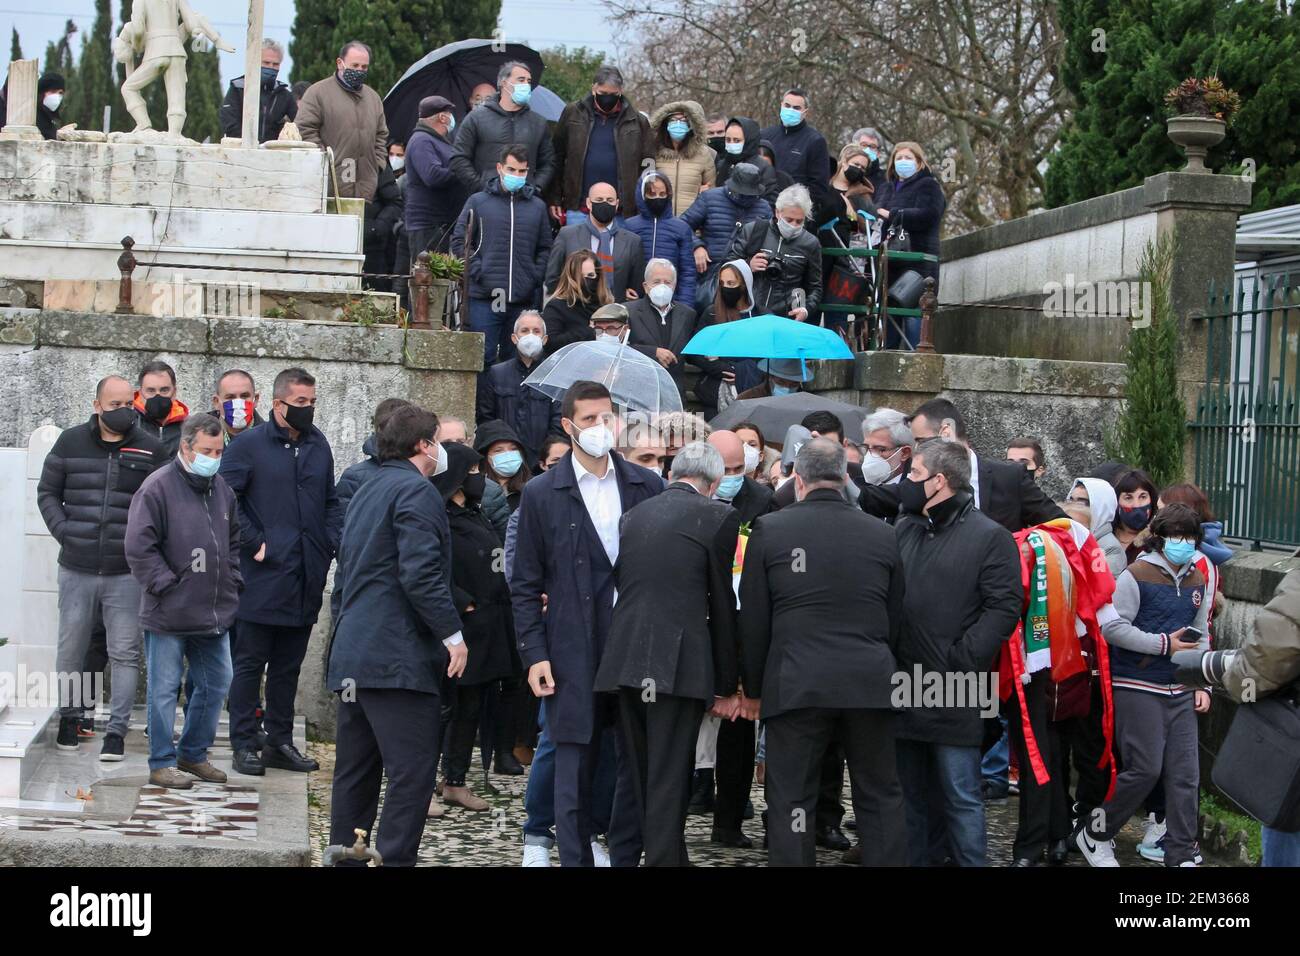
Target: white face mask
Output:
[
  {"x": 596, "y": 441},
  {"x": 661, "y": 295},
  {"x": 752, "y": 457},
  {"x": 610, "y": 339},
  {"x": 440, "y": 459},
  {"x": 787, "y": 230},
  {"x": 52, "y": 101},
  {"x": 875, "y": 469},
  {"x": 530, "y": 345},
  {"x": 396, "y": 162}
]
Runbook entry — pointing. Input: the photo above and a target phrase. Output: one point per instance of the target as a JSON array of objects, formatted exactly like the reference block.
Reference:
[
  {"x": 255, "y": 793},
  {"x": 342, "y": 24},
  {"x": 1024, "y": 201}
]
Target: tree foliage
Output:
[
  {"x": 398, "y": 33},
  {"x": 569, "y": 71},
  {"x": 1122, "y": 56},
  {"x": 1152, "y": 427},
  {"x": 15, "y": 47}
]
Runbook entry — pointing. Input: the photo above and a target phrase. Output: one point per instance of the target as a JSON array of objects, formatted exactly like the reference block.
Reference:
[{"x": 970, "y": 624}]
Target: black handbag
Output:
[{"x": 1258, "y": 765}]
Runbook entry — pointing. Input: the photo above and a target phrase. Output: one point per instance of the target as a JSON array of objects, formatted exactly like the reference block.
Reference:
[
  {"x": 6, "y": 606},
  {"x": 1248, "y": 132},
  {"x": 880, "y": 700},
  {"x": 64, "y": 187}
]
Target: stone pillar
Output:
[
  {"x": 21, "y": 100},
  {"x": 1200, "y": 211},
  {"x": 252, "y": 74}
]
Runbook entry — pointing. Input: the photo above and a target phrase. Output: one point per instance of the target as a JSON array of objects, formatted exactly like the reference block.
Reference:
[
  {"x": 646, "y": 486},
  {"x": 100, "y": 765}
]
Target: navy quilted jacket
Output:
[{"x": 510, "y": 245}]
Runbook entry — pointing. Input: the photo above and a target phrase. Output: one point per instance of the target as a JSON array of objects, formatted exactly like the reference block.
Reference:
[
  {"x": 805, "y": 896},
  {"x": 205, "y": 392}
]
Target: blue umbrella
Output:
[{"x": 768, "y": 336}]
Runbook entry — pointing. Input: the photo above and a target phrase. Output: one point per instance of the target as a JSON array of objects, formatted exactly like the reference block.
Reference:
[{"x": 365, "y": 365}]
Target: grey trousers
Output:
[
  {"x": 1154, "y": 733},
  {"x": 118, "y": 597}
]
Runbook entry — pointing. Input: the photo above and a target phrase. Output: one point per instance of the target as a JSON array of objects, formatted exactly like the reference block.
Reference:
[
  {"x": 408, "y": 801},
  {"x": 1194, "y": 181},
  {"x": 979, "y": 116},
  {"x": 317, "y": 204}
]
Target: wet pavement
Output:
[{"x": 494, "y": 837}]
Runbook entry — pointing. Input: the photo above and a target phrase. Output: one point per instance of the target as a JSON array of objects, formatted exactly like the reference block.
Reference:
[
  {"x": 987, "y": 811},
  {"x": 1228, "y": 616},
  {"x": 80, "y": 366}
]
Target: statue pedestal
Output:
[
  {"x": 65, "y": 207},
  {"x": 16, "y": 133}
]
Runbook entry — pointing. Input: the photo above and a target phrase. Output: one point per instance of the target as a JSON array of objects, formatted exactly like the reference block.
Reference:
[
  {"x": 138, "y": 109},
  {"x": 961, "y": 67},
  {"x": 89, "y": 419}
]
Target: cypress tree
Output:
[
  {"x": 95, "y": 87},
  {"x": 15, "y": 47}
]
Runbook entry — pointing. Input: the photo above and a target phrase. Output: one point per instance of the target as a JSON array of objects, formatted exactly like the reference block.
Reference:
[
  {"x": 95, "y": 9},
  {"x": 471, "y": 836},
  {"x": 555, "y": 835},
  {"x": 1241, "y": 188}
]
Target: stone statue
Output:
[{"x": 157, "y": 32}]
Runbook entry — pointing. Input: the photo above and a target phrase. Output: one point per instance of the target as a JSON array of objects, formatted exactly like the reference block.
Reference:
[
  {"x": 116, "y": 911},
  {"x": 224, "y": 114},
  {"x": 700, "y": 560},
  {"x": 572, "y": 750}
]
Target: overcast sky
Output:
[{"x": 539, "y": 23}]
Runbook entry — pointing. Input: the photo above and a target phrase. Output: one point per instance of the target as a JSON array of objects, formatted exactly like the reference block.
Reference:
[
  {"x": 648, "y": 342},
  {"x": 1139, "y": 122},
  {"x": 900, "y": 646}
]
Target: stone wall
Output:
[
  {"x": 51, "y": 360},
  {"x": 1066, "y": 405}
]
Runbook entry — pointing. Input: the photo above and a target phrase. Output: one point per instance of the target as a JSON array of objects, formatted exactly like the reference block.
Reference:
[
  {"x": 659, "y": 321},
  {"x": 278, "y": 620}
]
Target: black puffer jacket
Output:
[
  {"x": 800, "y": 265},
  {"x": 85, "y": 493}
]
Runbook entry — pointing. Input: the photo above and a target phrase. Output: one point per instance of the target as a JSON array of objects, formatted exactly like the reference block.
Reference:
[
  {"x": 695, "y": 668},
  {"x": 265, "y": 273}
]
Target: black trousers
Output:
[
  {"x": 1040, "y": 804},
  {"x": 393, "y": 732},
  {"x": 506, "y": 719},
  {"x": 458, "y": 752},
  {"x": 796, "y": 742},
  {"x": 658, "y": 748},
  {"x": 1082, "y": 739},
  {"x": 734, "y": 771},
  {"x": 830, "y": 792},
  {"x": 279, "y": 651}
]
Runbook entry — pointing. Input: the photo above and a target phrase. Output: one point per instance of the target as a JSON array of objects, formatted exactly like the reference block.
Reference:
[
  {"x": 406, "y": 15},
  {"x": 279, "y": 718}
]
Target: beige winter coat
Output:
[
  {"x": 353, "y": 125},
  {"x": 691, "y": 166},
  {"x": 1269, "y": 657}
]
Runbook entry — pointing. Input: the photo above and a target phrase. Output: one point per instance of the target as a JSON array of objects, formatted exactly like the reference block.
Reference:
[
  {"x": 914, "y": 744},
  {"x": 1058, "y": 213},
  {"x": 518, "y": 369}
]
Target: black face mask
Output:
[
  {"x": 718, "y": 144},
  {"x": 668, "y": 466},
  {"x": 603, "y": 212},
  {"x": 589, "y": 286},
  {"x": 473, "y": 488},
  {"x": 657, "y": 205},
  {"x": 1135, "y": 519},
  {"x": 912, "y": 496},
  {"x": 299, "y": 417},
  {"x": 119, "y": 420},
  {"x": 353, "y": 79},
  {"x": 855, "y": 175},
  {"x": 157, "y": 408},
  {"x": 607, "y": 101},
  {"x": 731, "y": 295}
]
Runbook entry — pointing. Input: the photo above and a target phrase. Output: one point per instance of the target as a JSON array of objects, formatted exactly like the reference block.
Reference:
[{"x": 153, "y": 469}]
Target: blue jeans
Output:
[
  {"x": 945, "y": 808},
  {"x": 911, "y": 326},
  {"x": 497, "y": 327},
  {"x": 1279, "y": 849},
  {"x": 209, "y": 659},
  {"x": 539, "y": 796},
  {"x": 995, "y": 768}
]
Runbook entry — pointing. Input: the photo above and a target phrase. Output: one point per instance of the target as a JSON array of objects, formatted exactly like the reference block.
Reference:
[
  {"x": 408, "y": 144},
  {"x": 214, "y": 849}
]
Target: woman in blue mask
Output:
[
  {"x": 1159, "y": 608},
  {"x": 1137, "y": 494},
  {"x": 911, "y": 201},
  {"x": 682, "y": 151}
]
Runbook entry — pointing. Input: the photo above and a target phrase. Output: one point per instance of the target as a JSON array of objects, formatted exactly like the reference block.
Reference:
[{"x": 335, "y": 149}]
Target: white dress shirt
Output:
[
  {"x": 974, "y": 477},
  {"x": 604, "y": 503}
]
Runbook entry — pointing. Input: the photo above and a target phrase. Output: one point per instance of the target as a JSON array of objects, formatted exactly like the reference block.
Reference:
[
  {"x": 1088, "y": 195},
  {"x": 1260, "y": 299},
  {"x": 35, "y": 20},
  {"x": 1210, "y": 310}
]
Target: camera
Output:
[{"x": 775, "y": 264}]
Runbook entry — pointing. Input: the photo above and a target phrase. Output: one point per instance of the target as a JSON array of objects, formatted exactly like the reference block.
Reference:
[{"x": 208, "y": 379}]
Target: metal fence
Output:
[{"x": 1247, "y": 428}]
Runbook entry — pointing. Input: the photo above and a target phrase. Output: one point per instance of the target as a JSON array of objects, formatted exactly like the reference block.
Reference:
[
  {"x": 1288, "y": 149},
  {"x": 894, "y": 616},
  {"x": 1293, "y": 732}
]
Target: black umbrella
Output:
[
  {"x": 451, "y": 71},
  {"x": 775, "y": 415}
]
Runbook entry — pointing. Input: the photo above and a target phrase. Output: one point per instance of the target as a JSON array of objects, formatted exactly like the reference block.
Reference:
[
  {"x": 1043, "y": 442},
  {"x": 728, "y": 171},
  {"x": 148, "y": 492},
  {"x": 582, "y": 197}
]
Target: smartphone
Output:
[{"x": 1191, "y": 635}]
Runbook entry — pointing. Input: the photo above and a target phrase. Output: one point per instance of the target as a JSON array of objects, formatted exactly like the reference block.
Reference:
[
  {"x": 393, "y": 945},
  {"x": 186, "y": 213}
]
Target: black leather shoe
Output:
[
  {"x": 850, "y": 824},
  {"x": 1025, "y": 862},
  {"x": 701, "y": 794},
  {"x": 832, "y": 838},
  {"x": 287, "y": 757},
  {"x": 749, "y": 810},
  {"x": 505, "y": 763},
  {"x": 249, "y": 763},
  {"x": 736, "y": 839},
  {"x": 1058, "y": 852}
]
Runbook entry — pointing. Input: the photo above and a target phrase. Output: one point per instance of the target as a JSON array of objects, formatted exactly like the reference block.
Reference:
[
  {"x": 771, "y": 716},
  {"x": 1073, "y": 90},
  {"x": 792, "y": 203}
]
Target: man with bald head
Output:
[
  {"x": 85, "y": 491},
  {"x": 734, "y": 764},
  {"x": 619, "y": 251}
]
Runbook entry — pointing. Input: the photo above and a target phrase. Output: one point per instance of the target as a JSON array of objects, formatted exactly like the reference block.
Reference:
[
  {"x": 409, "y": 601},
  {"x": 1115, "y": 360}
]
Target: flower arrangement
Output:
[{"x": 1205, "y": 97}]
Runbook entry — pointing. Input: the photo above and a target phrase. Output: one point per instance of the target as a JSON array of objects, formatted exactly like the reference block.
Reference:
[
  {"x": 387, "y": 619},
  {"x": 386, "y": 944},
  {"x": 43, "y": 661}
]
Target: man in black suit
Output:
[
  {"x": 621, "y": 254},
  {"x": 734, "y": 760},
  {"x": 660, "y": 327},
  {"x": 672, "y": 647},
  {"x": 1002, "y": 490},
  {"x": 821, "y": 600}
]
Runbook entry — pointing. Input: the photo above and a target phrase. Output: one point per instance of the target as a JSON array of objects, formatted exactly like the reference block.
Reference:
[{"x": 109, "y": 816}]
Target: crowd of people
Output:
[{"x": 649, "y": 613}]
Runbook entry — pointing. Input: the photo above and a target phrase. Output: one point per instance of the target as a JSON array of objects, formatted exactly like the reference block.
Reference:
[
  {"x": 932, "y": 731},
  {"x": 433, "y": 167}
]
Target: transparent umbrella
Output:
[{"x": 635, "y": 381}]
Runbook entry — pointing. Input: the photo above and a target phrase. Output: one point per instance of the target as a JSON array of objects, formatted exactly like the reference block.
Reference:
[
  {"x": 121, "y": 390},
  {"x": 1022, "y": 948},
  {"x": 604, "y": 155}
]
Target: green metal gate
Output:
[{"x": 1247, "y": 431}]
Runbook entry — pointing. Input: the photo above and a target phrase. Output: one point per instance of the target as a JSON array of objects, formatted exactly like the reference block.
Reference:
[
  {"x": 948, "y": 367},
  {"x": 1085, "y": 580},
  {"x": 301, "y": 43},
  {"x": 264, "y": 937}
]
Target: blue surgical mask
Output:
[
  {"x": 451, "y": 122},
  {"x": 506, "y": 463},
  {"x": 269, "y": 73},
  {"x": 790, "y": 116},
  {"x": 678, "y": 129},
  {"x": 906, "y": 168},
  {"x": 203, "y": 466},
  {"x": 521, "y": 94},
  {"x": 730, "y": 486},
  {"x": 513, "y": 183},
  {"x": 871, "y": 154},
  {"x": 1178, "y": 551},
  {"x": 735, "y": 149},
  {"x": 782, "y": 390}
]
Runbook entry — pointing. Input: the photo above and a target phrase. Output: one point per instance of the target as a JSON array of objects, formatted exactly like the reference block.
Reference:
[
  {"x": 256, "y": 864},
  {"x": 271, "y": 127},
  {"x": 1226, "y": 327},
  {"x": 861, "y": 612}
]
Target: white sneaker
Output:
[
  {"x": 1154, "y": 831},
  {"x": 535, "y": 855},
  {"x": 1096, "y": 852},
  {"x": 1188, "y": 863},
  {"x": 598, "y": 854}
]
